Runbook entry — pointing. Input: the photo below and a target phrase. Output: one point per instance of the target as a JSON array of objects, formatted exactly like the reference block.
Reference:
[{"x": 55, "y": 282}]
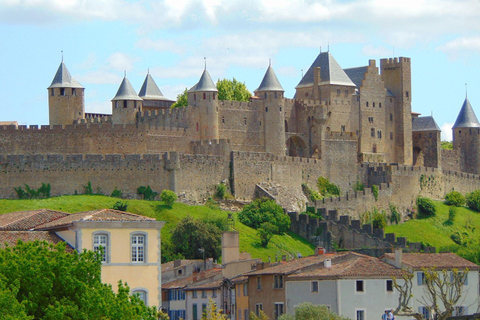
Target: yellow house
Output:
[{"x": 131, "y": 243}]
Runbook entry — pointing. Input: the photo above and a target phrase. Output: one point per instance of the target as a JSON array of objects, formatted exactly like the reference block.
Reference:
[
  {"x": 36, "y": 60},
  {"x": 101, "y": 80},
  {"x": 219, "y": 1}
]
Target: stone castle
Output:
[{"x": 340, "y": 122}]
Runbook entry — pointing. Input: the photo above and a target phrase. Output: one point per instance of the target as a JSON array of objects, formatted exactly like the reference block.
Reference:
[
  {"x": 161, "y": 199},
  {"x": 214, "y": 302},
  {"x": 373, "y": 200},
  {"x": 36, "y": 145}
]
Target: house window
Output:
[
  {"x": 204, "y": 310},
  {"x": 424, "y": 311},
  {"x": 278, "y": 282},
  {"x": 372, "y": 132},
  {"x": 245, "y": 290},
  {"x": 194, "y": 312},
  {"x": 360, "y": 315},
  {"x": 214, "y": 293},
  {"x": 421, "y": 278},
  {"x": 101, "y": 242},
  {"x": 259, "y": 283},
  {"x": 359, "y": 286},
  {"x": 314, "y": 286},
  {"x": 141, "y": 294},
  {"x": 194, "y": 294},
  {"x": 247, "y": 315},
  {"x": 278, "y": 309},
  {"x": 62, "y": 91},
  {"x": 204, "y": 293},
  {"x": 460, "y": 311},
  {"x": 138, "y": 247},
  {"x": 239, "y": 290},
  {"x": 258, "y": 308},
  {"x": 389, "y": 285}
]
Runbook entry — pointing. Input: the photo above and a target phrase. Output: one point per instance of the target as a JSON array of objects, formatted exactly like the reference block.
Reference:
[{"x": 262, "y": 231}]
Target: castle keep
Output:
[{"x": 338, "y": 119}]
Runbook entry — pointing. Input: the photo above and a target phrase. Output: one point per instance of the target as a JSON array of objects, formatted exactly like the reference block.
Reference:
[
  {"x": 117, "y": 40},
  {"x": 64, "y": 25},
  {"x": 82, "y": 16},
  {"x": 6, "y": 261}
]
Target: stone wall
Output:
[{"x": 451, "y": 160}]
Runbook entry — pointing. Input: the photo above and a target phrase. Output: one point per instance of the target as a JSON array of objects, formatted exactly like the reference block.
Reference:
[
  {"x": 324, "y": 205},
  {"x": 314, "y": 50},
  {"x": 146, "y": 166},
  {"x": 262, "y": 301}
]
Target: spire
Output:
[
  {"x": 126, "y": 91},
  {"x": 63, "y": 79},
  {"x": 150, "y": 89},
  {"x": 466, "y": 118},
  {"x": 205, "y": 83},
  {"x": 270, "y": 82}
]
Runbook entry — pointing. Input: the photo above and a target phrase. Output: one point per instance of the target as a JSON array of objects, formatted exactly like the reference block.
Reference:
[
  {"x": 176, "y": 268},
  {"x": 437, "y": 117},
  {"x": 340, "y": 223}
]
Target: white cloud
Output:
[
  {"x": 376, "y": 51},
  {"x": 121, "y": 62},
  {"x": 100, "y": 77},
  {"x": 171, "y": 92},
  {"x": 160, "y": 45},
  {"x": 88, "y": 63},
  {"x": 461, "y": 47},
  {"x": 447, "y": 131},
  {"x": 99, "y": 107}
]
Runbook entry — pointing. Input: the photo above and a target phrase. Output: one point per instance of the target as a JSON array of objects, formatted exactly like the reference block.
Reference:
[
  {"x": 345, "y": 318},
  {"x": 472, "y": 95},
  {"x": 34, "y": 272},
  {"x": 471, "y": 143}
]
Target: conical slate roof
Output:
[
  {"x": 270, "y": 82},
  {"x": 126, "y": 91},
  {"x": 330, "y": 72},
  {"x": 150, "y": 90},
  {"x": 466, "y": 118},
  {"x": 63, "y": 79},
  {"x": 204, "y": 84}
]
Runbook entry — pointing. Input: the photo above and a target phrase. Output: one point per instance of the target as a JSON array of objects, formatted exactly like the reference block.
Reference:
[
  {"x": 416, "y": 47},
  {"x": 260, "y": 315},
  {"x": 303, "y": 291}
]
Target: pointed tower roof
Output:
[
  {"x": 270, "y": 82},
  {"x": 150, "y": 90},
  {"x": 425, "y": 124},
  {"x": 126, "y": 91},
  {"x": 204, "y": 84},
  {"x": 466, "y": 118},
  {"x": 63, "y": 79},
  {"x": 330, "y": 72}
]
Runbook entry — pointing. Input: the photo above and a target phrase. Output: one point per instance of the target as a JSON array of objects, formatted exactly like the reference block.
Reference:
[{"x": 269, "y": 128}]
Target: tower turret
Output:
[
  {"x": 65, "y": 98},
  {"x": 271, "y": 91},
  {"x": 152, "y": 97},
  {"x": 204, "y": 95},
  {"x": 126, "y": 104},
  {"x": 466, "y": 138}
]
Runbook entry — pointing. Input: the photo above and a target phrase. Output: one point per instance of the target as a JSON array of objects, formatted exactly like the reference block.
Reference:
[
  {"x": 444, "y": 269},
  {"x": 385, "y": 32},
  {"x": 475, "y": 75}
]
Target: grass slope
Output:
[
  {"x": 437, "y": 231},
  {"x": 288, "y": 244}
]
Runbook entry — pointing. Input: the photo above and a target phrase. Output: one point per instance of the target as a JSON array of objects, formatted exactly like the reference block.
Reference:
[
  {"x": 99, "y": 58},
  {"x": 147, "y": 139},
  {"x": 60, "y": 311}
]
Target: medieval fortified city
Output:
[{"x": 340, "y": 202}]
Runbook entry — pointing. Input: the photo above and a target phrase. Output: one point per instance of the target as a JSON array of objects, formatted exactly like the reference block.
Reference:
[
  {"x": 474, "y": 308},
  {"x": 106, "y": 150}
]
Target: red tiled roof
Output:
[
  {"x": 350, "y": 265},
  {"x": 11, "y": 237},
  {"x": 287, "y": 267},
  {"x": 169, "y": 266},
  {"x": 213, "y": 284},
  {"x": 438, "y": 260},
  {"x": 196, "y": 278},
  {"x": 26, "y": 220},
  {"x": 95, "y": 215}
]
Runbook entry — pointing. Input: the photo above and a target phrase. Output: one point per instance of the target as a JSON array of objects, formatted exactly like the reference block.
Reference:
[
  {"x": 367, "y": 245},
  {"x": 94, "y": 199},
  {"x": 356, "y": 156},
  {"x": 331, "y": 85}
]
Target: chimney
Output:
[
  {"x": 327, "y": 263},
  {"x": 230, "y": 247},
  {"x": 319, "y": 251},
  {"x": 398, "y": 258}
]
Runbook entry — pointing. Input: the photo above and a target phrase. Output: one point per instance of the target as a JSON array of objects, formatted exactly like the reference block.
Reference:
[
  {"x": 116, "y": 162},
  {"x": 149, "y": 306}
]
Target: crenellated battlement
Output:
[
  {"x": 238, "y": 105},
  {"x": 263, "y": 156},
  {"x": 394, "y": 62},
  {"x": 219, "y": 147}
]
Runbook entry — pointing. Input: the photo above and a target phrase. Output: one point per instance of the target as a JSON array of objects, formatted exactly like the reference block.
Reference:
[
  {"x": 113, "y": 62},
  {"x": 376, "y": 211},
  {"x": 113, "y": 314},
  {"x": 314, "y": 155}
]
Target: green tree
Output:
[
  {"x": 190, "y": 235},
  {"x": 182, "y": 100},
  {"x": 169, "y": 197},
  {"x": 48, "y": 282},
  {"x": 473, "y": 200},
  {"x": 455, "y": 198},
  {"x": 426, "y": 206},
  {"x": 232, "y": 90},
  {"x": 264, "y": 210},
  {"x": 147, "y": 193},
  {"x": 309, "y": 311},
  {"x": 265, "y": 233},
  {"x": 326, "y": 188}
]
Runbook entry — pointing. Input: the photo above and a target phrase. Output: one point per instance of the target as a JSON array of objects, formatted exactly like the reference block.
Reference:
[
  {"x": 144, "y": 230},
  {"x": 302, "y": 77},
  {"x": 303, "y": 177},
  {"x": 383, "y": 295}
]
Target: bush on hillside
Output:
[
  {"x": 311, "y": 194},
  {"x": 395, "y": 216},
  {"x": 473, "y": 200},
  {"x": 452, "y": 214},
  {"x": 220, "y": 190},
  {"x": 116, "y": 193},
  {"x": 325, "y": 187},
  {"x": 375, "y": 192},
  {"x": 379, "y": 219},
  {"x": 455, "y": 198},
  {"x": 147, "y": 193},
  {"x": 169, "y": 197},
  {"x": 426, "y": 206},
  {"x": 264, "y": 210},
  {"x": 30, "y": 193},
  {"x": 358, "y": 186},
  {"x": 265, "y": 233},
  {"x": 120, "y": 206}
]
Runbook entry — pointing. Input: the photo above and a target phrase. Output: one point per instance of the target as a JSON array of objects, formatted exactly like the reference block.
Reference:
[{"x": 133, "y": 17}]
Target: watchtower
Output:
[
  {"x": 65, "y": 98},
  {"x": 126, "y": 104}
]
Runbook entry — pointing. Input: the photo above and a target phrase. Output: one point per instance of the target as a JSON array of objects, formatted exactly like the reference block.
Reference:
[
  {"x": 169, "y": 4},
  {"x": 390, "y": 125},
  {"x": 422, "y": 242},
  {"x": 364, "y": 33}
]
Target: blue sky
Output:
[{"x": 102, "y": 39}]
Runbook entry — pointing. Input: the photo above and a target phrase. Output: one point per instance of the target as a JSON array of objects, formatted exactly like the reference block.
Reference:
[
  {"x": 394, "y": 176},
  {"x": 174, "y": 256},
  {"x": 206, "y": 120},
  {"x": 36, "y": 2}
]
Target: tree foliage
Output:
[
  {"x": 426, "y": 206},
  {"x": 309, "y": 311},
  {"x": 30, "y": 193},
  {"x": 42, "y": 281},
  {"x": 169, "y": 197},
  {"x": 473, "y": 200},
  {"x": 455, "y": 198},
  {"x": 147, "y": 193},
  {"x": 213, "y": 313},
  {"x": 326, "y": 188},
  {"x": 232, "y": 90},
  {"x": 442, "y": 292},
  {"x": 182, "y": 100},
  {"x": 190, "y": 235},
  {"x": 265, "y": 210}
]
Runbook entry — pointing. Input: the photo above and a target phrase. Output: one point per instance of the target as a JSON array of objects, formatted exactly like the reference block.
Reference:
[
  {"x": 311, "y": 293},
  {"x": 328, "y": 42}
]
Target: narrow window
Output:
[
  {"x": 247, "y": 315},
  {"x": 391, "y": 116},
  {"x": 194, "y": 294},
  {"x": 406, "y": 94},
  {"x": 52, "y": 92},
  {"x": 223, "y": 119},
  {"x": 379, "y": 134},
  {"x": 214, "y": 293},
  {"x": 391, "y": 135},
  {"x": 275, "y": 95},
  {"x": 214, "y": 96},
  {"x": 138, "y": 248},
  {"x": 125, "y": 103},
  {"x": 73, "y": 92},
  {"x": 265, "y": 95},
  {"x": 116, "y": 104},
  {"x": 338, "y": 92},
  {"x": 266, "y": 109},
  {"x": 280, "y": 109},
  {"x": 367, "y": 103},
  {"x": 195, "y": 96},
  {"x": 259, "y": 283},
  {"x": 239, "y": 314},
  {"x": 360, "y": 315},
  {"x": 379, "y": 104},
  {"x": 204, "y": 293},
  {"x": 346, "y": 93},
  {"x": 245, "y": 121},
  {"x": 358, "y": 98},
  {"x": 62, "y": 91},
  {"x": 245, "y": 290},
  {"x": 359, "y": 286},
  {"x": 142, "y": 295},
  {"x": 372, "y": 132},
  {"x": 204, "y": 96},
  {"x": 373, "y": 104},
  {"x": 135, "y": 104},
  {"x": 204, "y": 310},
  {"x": 100, "y": 242},
  {"x": 343, "y": 128},
  {"x": 278, "y": 310},
  {"x": 258, "y": 308},
  {"x": 314, "y": 286},
  {"x": 197, "y": 126},
  {"x": 389, "y": 285},
  {"x": 194, "y": 312}
]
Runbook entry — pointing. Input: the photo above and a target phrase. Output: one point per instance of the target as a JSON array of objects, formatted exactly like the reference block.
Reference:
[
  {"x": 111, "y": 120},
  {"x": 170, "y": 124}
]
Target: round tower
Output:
[
  {"x": 466, "y": 138},
  {"x": 126, "y": 104},
  {"x": 66, "y": 101},
  {"x": 204, "y": 96},
  {"x": 271, "y": 92}
]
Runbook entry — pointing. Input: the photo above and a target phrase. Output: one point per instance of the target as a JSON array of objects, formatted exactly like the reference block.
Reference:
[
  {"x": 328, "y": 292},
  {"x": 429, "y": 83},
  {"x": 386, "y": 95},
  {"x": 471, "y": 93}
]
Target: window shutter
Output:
[
  {"x": 419, "y": 278},
  {"x": 466, "y": 280}
]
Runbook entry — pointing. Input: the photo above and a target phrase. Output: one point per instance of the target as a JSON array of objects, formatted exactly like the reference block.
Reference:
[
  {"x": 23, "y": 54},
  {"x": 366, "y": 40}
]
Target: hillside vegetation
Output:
[
  {"x": 461, "y": 236},
  {"x": 287, "y": 244}
]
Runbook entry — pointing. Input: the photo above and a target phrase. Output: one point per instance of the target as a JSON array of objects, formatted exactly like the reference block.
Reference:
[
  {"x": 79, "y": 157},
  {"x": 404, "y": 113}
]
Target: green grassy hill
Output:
[
  {"x": 289, "y": 244},
  {"x": 437, "y": 231}
]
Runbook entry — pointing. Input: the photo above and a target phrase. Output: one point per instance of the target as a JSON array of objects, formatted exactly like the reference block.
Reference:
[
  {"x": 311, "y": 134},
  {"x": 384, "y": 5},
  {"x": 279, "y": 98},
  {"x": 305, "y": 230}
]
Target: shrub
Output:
[
  {"x": 169, "y": 197},
  {"x": 87, "y": 189},
  {"x": 426, "y": 206},
  {"x": 375, "y": 192},
  {"x": 265, "y": 233},
  {"x": 395, "y": 216},
  {"x": 147, "y": 193},
  {"x": 220, "y": 190},
  {"x": 358, "y": 186},
  {"x": 116, "y": 193},
  {"x": 473, "y": 200},
  {"x": 29, "y": 193},
  {"x": 264, "y": 210},
  {"x": 121, "y": 206},
  {"x": 325, "y": 187},
  {"x": 379, "y": 220},
  {"x": 452, "y": 213},
  {"x": 455, "y": 198},
  {"x": 311, "y": 194},
  {"x": 212, "y": 204}
]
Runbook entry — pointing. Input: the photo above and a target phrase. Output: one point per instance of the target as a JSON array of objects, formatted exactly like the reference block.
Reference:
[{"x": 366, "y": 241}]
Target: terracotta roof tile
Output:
[
  {"x": 438, "y": 260},
  {"x": 196, "y": 278},
  {"x": 213, "y": 284},
  {"x": 11, "y": 238},
  {"x": 169, "y": 266},
  {"x": 95, "y": 215},
  {"x": 26, "y": 220}
]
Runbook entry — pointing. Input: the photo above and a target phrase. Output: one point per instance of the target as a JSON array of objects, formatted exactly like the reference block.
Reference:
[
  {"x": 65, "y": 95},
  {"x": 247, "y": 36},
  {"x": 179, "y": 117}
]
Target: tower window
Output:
[
  {"x": 125, "y": 103},
  {"x": 379, "y": 134},
  {"x": 391, "y": 116},
  {"x": 406, "y": 94},
  {"x": 195, "y": 96},
  {"x": 275, "y": 95},
  {"x": 280, "y": 109},
  {"x": 372, "y": 132},
  {"x": 135, "y": 104},
  {"x": 73, "y": 92},
  {"x": 266, "y": 109},
  {"x": 245, "y": 120},
  {"x": 306, "y": 94},
  {"x": 223, "y": 119},
  {"x": 338, "y": 92},
  {"x": 116, "y": 104},
  {"x": 373, "y": 104},
  {"x": 197, "y": 126},
  {"x": 52, "y": 92},
  {"x": 370, "y": 119},
  {"x": 379, "y": 104},
  {"x": 367, "y": 103},
  {"x": 391, "y": 135},
  {"x": 343, "y": 128},
  {"x": 265, "y": 95},
  {"x": 62, "y": 91},
  {"x": 204, "y": 96},
  {"x": 214, "y": 96}
]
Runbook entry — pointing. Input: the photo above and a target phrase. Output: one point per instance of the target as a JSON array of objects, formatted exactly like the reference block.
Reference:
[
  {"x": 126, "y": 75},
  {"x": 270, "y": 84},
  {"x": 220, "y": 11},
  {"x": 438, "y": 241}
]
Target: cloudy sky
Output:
[{"x": 102, "y": 39}]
